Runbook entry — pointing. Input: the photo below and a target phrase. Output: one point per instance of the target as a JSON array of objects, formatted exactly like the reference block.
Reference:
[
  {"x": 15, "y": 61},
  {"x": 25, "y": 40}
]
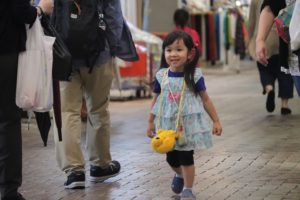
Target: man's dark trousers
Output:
[{"x": 10, "y": 129}]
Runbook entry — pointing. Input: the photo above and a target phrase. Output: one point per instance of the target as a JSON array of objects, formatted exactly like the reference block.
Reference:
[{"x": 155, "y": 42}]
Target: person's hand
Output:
[
  {"x": 217, "y": 128},
  {"x": 46, "y": 6},
  {"x": 151, "y": 130},
  {"x": 261, "y": 52}
]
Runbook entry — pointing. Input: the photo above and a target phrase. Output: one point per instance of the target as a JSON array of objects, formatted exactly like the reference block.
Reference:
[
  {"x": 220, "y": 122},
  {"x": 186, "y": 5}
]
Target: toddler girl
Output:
[{"x": 179, "y": 103}]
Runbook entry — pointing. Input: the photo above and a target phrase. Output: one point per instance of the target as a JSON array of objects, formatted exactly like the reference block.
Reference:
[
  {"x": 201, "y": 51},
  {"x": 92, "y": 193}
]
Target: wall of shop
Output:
[{"x": 160, "y": 15}]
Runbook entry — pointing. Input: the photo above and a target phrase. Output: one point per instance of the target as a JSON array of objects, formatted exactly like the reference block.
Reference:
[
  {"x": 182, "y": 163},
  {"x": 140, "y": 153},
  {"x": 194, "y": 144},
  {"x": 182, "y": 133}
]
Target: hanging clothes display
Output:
[{"x": 220, "y": 32}]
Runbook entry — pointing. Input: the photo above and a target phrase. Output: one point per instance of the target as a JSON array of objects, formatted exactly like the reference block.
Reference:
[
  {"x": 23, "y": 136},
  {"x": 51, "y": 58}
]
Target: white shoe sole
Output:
[
  {"x": 187, "y": 198},
  {"x": 102, "y": 178},
  {"x": 75, "y": 185}
]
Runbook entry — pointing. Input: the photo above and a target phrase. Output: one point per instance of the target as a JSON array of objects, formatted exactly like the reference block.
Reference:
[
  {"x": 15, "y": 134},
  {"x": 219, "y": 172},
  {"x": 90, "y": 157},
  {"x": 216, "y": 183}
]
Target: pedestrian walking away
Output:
[
  {"x": 180, "y": 90},
  {"x": 15, "y": 14},
  {"x": 269, "y": 73},
  {"x": 288, "y": 60}
]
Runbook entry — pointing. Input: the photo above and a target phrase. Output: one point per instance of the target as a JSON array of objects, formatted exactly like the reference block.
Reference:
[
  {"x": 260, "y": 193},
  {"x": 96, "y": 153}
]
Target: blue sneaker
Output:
[
  {"x": 187, "y": 194},
  {"x": 177, "y": 184}
]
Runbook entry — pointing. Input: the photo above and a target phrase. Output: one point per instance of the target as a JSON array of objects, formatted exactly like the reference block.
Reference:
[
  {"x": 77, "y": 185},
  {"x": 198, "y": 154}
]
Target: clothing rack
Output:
[{"x": 212, "y": 26}]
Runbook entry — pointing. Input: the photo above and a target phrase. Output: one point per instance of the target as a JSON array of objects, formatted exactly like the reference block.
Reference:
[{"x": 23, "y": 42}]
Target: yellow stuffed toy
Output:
[{"x": 164, "y": 141}]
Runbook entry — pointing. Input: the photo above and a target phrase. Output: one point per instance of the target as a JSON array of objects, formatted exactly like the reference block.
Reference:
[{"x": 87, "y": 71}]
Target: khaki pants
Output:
[{"x": 95, "y": 88}]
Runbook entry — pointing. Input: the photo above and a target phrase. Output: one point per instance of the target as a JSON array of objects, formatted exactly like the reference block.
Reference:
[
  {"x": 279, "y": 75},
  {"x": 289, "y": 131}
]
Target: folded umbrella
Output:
[
  {"x": 44, "y": 123},
  {"x": 57, "y": 108}
]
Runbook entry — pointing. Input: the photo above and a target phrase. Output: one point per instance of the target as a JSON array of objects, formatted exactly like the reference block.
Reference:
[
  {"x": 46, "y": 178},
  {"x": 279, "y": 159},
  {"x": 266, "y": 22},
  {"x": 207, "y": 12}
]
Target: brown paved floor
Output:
[{"x": 258, "y": 157}]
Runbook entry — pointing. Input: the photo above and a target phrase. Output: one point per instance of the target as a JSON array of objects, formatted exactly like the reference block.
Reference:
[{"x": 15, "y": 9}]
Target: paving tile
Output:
[{"x": 257, "y": 158}]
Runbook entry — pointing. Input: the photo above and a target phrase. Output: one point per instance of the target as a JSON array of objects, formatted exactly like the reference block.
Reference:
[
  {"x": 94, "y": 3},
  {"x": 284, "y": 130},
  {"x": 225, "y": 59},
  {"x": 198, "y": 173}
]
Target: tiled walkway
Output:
[{"x": 258, "y": 156}]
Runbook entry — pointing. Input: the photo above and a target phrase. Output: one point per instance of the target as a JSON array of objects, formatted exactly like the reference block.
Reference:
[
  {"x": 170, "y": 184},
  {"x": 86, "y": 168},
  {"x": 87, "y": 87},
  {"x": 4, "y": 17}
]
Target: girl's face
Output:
[{"x": 176, "y": 55}]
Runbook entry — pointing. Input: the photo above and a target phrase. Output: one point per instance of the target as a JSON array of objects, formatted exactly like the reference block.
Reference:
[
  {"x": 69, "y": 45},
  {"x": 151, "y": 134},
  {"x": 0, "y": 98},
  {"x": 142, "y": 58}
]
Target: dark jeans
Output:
[
  {"x": 10, "y": 129},
  {"x": 269, "y": 74},
  {"x": 297, "y": 83}
]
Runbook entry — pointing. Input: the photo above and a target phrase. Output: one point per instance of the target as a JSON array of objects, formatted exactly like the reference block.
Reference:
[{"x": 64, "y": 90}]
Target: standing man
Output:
[
  {"x": 92, "y": 80},
  {"x": 14, "y": 14}
]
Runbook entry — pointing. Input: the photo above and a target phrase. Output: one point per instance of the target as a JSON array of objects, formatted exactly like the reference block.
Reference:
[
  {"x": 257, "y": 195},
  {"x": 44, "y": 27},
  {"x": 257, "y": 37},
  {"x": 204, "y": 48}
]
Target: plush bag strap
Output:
[{"x": 180, "y": 102}]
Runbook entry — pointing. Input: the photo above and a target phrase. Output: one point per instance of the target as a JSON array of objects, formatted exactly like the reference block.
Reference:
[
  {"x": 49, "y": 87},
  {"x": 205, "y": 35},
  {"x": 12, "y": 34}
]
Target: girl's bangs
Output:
[{"x": 171, "y": 39}]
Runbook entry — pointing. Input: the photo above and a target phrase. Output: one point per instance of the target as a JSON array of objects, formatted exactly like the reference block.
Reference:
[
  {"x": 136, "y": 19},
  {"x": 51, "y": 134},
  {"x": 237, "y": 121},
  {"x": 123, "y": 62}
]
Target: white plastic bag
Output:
[
  {"x": 294, "y": 28},
  {"x": 34, "y": 79}
]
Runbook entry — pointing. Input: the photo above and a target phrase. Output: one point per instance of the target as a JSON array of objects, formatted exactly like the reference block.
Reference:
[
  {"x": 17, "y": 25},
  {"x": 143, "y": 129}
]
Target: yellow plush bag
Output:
[{"x": 164, "y": 141}]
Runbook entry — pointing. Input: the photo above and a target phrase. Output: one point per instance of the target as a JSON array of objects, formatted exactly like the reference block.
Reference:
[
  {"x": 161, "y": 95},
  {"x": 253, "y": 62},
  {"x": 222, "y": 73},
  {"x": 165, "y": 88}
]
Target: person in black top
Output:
[
  {"x": 14, "y": 14},
  {"x": 270, "y": 9},
  {"x": 269, "y": 73}
]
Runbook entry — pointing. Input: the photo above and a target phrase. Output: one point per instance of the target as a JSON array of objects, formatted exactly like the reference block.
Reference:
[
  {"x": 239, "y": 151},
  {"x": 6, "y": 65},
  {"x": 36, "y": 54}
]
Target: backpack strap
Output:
[{"x": 101, "y": 25}]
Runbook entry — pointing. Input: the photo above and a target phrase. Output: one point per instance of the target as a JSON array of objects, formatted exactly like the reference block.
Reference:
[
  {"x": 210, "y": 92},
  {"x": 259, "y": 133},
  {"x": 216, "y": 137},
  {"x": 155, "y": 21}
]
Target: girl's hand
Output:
[
  {"x": 217, "y": 128},
  {"x": 151, "y": 130}
]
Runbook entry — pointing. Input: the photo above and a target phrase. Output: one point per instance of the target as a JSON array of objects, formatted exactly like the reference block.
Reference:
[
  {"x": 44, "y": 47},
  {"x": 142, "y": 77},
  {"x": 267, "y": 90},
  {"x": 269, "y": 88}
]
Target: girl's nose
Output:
[{"x": 173, "y": 53}]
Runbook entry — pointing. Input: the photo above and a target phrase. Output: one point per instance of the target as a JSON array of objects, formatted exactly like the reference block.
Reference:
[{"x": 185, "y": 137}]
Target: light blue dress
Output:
[{"x": 197, "y": 126}]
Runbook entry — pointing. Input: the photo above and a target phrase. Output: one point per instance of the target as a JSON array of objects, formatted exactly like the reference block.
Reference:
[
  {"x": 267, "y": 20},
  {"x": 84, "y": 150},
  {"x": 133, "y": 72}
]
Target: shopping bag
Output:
[
  {"x": 282, "y": 22},
  {"x": 34, "y": 78},
  {"x": 295, "y": 28},
  {"x": 62, "y": 59}
]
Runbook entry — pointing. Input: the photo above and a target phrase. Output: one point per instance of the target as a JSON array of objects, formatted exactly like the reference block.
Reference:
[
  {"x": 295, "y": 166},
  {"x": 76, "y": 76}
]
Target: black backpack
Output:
[{"x": 86, "y": 32}]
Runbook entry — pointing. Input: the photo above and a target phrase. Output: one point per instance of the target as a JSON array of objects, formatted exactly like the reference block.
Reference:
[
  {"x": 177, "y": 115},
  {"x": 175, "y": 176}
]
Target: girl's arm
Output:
[
  {"x": 210, "y": 109},
  {"x": 151, "y": 127}
]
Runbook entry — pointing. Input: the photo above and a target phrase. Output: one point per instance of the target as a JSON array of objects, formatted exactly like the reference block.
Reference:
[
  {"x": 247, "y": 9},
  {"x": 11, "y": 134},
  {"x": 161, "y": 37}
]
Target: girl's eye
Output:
[{"x": 168, "y": 50}]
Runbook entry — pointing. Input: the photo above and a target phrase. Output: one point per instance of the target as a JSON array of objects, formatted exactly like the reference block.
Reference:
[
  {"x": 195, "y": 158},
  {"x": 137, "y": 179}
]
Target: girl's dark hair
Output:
[
  {"x": 181, "y": 17},
  {"x": 190, "y": 66}
]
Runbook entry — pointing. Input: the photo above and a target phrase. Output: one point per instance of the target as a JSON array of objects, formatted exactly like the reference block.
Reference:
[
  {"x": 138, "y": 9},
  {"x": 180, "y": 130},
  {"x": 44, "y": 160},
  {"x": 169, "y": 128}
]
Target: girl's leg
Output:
[
  {"x": 188, "y": 168},
  {"x": 188, "y": 175},
  {"x": 177, "y": 170},
  {"x": 173, "y": 161}
]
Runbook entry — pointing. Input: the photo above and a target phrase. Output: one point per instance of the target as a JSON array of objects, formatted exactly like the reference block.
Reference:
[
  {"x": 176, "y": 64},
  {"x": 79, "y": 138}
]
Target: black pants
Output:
[
  {"x": 269, "y": 74},
  {"x": 10, "y": 129},
  {"x": 180, "y": 158}
]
